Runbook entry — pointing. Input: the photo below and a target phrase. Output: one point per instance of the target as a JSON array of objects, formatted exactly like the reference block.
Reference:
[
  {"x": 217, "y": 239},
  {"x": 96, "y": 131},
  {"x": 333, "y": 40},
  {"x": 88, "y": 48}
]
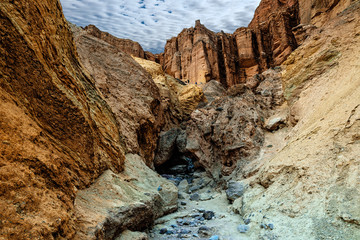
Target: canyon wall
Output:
[
  {"x": 199, "y": 55},
  {"x": 66, "y": 123},
  {"x": 126, "y": 45},
  {"x": 53, "y": 139}
]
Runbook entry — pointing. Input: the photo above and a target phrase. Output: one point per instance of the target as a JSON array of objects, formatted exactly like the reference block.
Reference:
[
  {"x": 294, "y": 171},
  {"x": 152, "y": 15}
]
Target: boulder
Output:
[
  {"x": 234, "y": 190},
  {"x": 128, "y": 200}
]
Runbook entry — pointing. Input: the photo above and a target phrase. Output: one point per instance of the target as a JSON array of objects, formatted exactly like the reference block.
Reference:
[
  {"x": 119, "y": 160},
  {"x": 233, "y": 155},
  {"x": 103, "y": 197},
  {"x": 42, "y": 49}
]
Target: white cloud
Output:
[{"x": 152, "y": 22}]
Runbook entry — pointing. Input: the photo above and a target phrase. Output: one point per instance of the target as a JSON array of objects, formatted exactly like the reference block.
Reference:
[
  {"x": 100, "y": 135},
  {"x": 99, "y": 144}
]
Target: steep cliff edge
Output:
[{"x": 278, "y": 28}]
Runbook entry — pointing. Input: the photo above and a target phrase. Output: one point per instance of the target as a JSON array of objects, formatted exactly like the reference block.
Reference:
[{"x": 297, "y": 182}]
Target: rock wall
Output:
[
  {"x": 126, "y": 45},
  {"x": 127, "y": 88},
  {"x": 52, "y": 135},
  {"x": 307, "y": 185},
  {"x": 61, "y": 128},
  {"x": 278, "y": 28}
]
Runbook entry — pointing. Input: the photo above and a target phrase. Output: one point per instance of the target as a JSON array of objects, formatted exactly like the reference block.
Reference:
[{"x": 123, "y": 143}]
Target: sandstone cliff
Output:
[{"x": 278, "y": 28}]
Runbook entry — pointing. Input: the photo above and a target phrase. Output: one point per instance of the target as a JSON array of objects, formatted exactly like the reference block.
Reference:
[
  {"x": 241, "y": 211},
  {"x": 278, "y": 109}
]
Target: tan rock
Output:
[
  {"x": 129, "y": 200},
  {"x": 128, "y": 89},
  {"x": 126, "y": 45},
  {"x": 179, "y": 99},
  {"x": 57, "y": 133}
]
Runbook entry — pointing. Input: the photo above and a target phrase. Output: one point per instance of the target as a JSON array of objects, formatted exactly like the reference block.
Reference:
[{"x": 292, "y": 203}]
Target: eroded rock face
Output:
[
  {"x": 199, "y": 55},
  {"x": 126, "y": 45},
  {"x": 310, "y": 183},
  {"x": 52, "y": 135},
  {"x": 178, "y": 99},
  {"x": 278, "y": 28},
  {"x": 228, "y": 132},
  {"x": 128, "y": 89}
]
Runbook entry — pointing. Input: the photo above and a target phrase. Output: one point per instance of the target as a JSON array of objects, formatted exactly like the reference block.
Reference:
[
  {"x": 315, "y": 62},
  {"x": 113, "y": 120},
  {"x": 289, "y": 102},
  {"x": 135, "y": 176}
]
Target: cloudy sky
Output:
[{"x": 152, "y": 22}]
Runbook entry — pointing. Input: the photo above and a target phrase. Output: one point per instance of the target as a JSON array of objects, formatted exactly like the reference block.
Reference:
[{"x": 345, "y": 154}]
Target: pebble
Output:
[
  {"x": 163, "y": 231},
  {"x": 243, "y": 228},
  {"x": 263, "y": 226},
  {"x": 271, "y": 226},
  {"x": 201, "y": 210},
  {"x": 247, "y": 221},
  {"x": 194, "y": 197},
  {"x": 183, "y": 203},
  {"x": 159, "y": 188},
  {"x": 196, "y": 235},
  {"x": 174, "y": 226},
  {"x": 215, "y": 237},
  {"x": 208, "y": 215}
]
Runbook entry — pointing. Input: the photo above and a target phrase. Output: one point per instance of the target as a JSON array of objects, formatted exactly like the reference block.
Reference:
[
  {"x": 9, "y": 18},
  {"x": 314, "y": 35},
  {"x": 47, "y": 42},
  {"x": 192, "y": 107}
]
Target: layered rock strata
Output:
[
  {"x": 52, "y": 135},
  {"x": 128, "y": 89}
]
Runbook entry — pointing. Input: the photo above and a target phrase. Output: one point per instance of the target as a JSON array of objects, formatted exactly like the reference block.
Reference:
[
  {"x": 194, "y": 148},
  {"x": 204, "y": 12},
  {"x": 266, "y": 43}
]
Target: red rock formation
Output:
[
  {"x": 126, "y": 45},
  {"x": 278, "y": 27}
]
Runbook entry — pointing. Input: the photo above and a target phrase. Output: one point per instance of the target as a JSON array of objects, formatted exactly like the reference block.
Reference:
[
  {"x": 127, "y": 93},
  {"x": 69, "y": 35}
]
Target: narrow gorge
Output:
[{"x": 223, "y": 136}]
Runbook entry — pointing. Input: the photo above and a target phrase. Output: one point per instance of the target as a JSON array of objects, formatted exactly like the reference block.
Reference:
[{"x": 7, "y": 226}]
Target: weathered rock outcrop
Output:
[
  {"x": 59, "y": 132},
  {"x": 53, "y": 138},
  {"x": 307, "y": 187},
  {"x": 126, "y": 45},
  {"x": 179, "y": 100},
  {"x": 228, "y": 132},
  {"x": 278, "y": 28},
  {"x": 127, "y": 88}
]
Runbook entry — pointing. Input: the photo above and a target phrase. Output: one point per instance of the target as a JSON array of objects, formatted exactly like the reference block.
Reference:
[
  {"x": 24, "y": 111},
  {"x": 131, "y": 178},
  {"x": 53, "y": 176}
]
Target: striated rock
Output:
[
  {"x": 128, "y": 89},
  {"x": 57, "y": 133},
  {"x": 126, "y": 45},
  {"x": 116, "y": 202}
]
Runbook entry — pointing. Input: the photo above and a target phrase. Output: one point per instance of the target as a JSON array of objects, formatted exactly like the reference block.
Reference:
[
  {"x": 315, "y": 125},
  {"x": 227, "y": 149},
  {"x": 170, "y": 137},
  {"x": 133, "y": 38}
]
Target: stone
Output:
[
  {"x": 123, "y": 202},
  {"x": 208, "y": 215},
  {"x": 166, "y": 147},
  {"x": 194, "y": 197},
  {"x": 275, "y": 123},
  {"x": 163, "y": 231},
  {"x": 243, "y": 228},
  {"x": 183, "y": 203},
  {"x": 270, "y": 226},
  {"x": 234, "y": 190}
]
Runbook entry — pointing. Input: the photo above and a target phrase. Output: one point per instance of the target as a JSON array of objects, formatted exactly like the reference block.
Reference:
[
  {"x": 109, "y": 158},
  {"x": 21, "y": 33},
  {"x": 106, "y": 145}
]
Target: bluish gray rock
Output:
[
  {"x": 243, "y": 228},
  {"x": 235, "y": 190}
]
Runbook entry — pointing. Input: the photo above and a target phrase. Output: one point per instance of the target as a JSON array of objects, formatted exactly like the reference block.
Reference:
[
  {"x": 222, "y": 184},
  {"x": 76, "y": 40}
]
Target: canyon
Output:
[{"x": 250, "y": 135}]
